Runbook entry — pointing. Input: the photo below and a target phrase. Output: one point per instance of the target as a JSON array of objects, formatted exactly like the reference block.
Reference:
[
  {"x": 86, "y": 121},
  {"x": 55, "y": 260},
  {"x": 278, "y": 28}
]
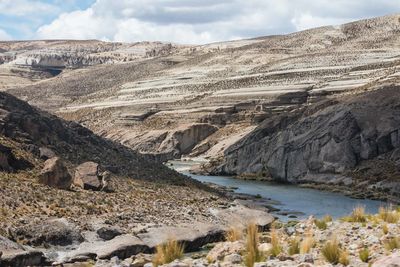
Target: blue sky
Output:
[{"x": 181, "y": 21}]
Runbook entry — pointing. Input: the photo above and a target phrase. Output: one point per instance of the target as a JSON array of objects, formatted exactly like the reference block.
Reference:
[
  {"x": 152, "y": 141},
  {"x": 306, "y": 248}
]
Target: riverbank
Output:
[{"x": 285, "y": 201}]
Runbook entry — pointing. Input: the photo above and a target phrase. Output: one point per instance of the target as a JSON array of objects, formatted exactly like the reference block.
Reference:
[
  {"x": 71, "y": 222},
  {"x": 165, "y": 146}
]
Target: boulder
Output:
[
  {"x": 122, "y": 246},
  {"x": 46, "y": 153},
  {"x": 223, "y": 249},
  {"x": 58, "y": 232},
  {"x": 87, "y": 176},
  {"x": 193, "y": 236},
  {"x": 55, "y": 174},
  {"x": 13, "y": 254},
  {"x": 392, "y": 260},
  {"x": 108, "y": 232}
]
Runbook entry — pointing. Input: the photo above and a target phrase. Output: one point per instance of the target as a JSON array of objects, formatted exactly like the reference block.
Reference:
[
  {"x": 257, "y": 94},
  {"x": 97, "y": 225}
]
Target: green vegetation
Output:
[
  {"x": 321, "y": 224},
  {"x": 364, "y": 255},
  {"x": 331, "y": 251},
  {"x": 294, "y": 246},
  {"x": 392, "y": 243}
]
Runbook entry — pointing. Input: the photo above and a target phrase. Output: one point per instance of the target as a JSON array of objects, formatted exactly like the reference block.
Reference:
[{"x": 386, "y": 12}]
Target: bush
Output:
[
  {"x": 331, "y": 251},
  {"x": 252, "y": 253},
  {"x": 344, "y": 258},
  {"x": 168, "y": 252},
  {"x": 294, "y": 246},
  {"x": 392, "y": 243},
  {"x": 364, "y": 255},
  {"x": 307, "y": 244},
  {"x": 358, "y": 214},
  {"x": 327, "y": 218},
  {"x": 389, "y": 215},
  {"x": 276, "y": 247},
  {"x": 321, "y": 224},
  {"x": 385, "y": 229},
  {"x": 234, "y": 234}
]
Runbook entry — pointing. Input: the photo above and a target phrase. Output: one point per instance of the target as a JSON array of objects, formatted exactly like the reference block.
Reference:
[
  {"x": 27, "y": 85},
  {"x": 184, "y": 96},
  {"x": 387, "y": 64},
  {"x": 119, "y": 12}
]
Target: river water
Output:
[{"x": 289, "y": 198}]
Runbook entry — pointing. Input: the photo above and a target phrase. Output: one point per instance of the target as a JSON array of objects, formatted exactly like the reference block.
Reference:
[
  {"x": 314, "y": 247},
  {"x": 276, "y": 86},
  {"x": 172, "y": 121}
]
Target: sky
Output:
[{"x": 178, "y": 21}]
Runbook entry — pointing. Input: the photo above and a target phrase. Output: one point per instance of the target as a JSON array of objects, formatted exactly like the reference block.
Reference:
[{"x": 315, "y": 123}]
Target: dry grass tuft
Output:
[
  {"x": 321, "y": 224},
  {"x": 294, "y": 246},
  {"x": 344, "y": 258},
  {"x": 358, "y": 214},
  {"x": 392, "y": 243},
  {"x": 276, "y": 246},
  {"x": 252, "y": 253},
  {"x": 168, "y": 252},
  {"x": 327, "y": 218},
  {"x": 234, "y": 234},
  {"x": 389, "y": 215},
  {"x": 385, "y": 229},
  {"x": 331, "y": 251},
  {"x": 307, "y": 244}
]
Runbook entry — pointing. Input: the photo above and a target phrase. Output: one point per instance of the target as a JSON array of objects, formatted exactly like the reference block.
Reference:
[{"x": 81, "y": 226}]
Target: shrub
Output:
[
  {"x": 168, "y": 252},
  {"x": 276, "y": 247},
  {"x": 385, "y": 229},
  {"x": 331, "y": 251},
  {"x": 307, "y": 243},
  {"x": 327, "y": 218},
  {"x": 252, "y": 253},
  {"x": 294, "y": 246},
  {"x": 234, "y": 234},
  {"x": 321, "y": 224},
  {"x": 388, "y": 215},
  {"x": 392, "y": 243},
  {"x": 358, "y": 214},
  {"x": 344, "y": 258},
  {"x": 364, "y": 255}
]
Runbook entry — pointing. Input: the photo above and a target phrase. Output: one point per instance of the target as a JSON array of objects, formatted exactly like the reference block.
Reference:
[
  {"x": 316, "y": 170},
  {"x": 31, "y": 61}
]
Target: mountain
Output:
[{"x": 219, "y": 101}]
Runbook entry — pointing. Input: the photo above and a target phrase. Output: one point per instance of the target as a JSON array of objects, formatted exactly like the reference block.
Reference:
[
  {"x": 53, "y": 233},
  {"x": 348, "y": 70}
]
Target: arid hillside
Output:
[{"x": 167, "y": 101}]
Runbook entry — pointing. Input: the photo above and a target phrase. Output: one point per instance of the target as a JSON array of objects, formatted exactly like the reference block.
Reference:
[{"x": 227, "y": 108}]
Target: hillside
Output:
[{"x": 171, "y": 101}]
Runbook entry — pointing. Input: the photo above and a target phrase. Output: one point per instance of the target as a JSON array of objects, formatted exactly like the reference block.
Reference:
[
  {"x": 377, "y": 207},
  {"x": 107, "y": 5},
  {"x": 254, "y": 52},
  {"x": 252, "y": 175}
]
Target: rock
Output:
[
  {"x": 58, "y": 232},
  {"x": 21, "y": 258},
  {"x": 55, "y": 174},
  {"x": 241, "y": 215},
  {"x": 87, "y": 176},
  {"x": 324, "y": 140},
  {"x": 15, "y": 255},
  {"x": 122, "y": 246},
  {"x": 306, "y": 258},
  {"x": 141, "y": 259},
  {"x": 392, "y": 260},
  {"x": 108, "y": 232},
  {"x": 193, "y": 236},
  {"x": 9, "y": 163},
  {"x": 233, "y": 258},
  {"x": 46, "y": 153},
  {"x": 105, "y": 181},
  {"x": 223, "y": 249},
  {"x": 265, "y": 247},
  {"x": 176, "y": 263}
]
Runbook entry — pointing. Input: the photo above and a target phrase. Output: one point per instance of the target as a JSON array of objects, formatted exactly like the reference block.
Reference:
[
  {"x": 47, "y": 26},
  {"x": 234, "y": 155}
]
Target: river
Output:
[{"x": 302, "y": 202}]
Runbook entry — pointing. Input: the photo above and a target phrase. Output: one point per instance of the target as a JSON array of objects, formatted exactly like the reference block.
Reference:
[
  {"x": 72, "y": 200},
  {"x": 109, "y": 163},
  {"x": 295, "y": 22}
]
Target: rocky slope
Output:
[{"x": 208, "y": 101}]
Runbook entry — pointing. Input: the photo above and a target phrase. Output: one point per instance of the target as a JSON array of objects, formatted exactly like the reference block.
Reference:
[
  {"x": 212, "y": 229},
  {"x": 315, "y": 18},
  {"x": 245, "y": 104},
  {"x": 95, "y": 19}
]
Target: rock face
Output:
[
  {"x": 9, "y": 163},
  {"x": 87, "y": 176},
  {"x": 321, "y": 140},
  {"x": 55, "y": 174},
  {"x": 192, "y": 236},
  {"x": 388, "y": 261},
  {"x": 15, "y": 255},
  {"x": 52, "y": 232}
]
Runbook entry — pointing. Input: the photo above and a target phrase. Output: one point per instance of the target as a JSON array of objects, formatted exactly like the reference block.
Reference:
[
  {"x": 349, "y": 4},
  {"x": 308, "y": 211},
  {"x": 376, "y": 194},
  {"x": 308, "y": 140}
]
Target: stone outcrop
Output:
[
  {"x": 321, "y": 139},
  {"x": 55, "y": 174},
  {"x": 15, "y": 255},
  {"x": 192, "y": 236},
  {"x": 87, "y": 176},
  {"x": 57, "y": 232},
  {"x": 392, "y": 260}
]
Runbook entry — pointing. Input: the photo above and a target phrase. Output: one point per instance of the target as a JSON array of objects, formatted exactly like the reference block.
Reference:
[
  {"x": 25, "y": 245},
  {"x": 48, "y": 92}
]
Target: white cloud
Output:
[
  {"x": 4, "y": 36},
  {"x": 192, "y": 21},
  {"x": 25, "y": 8}
]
